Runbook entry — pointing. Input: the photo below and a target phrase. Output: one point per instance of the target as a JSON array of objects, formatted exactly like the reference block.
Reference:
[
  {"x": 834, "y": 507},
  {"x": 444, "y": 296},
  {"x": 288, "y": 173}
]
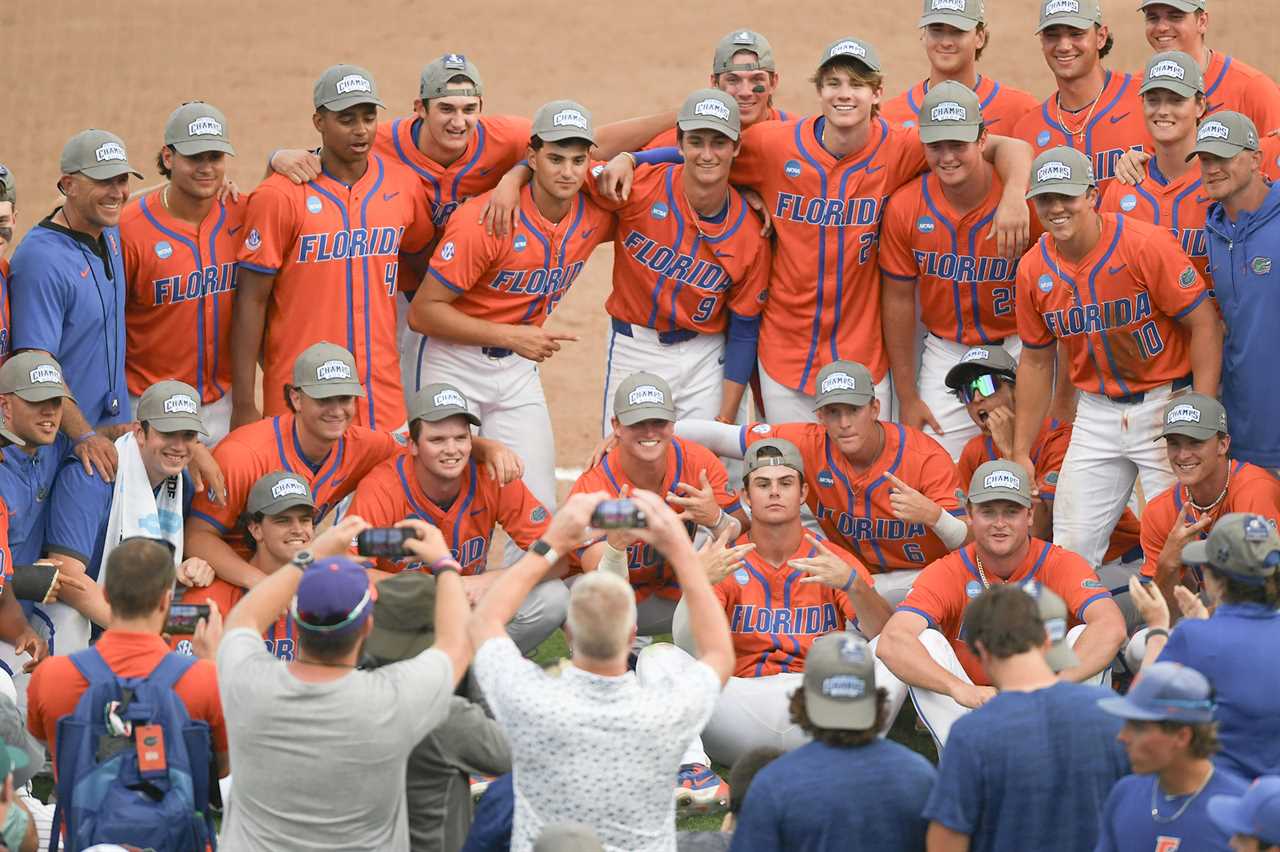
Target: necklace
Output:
[
  {"x": 164, "y": 196},
  {"x": 1078, "y": 133},
  {"x": 1155, "y": 810},
  {"x": 1211, "y": 506},
  {"x": 982, "y": 573}
]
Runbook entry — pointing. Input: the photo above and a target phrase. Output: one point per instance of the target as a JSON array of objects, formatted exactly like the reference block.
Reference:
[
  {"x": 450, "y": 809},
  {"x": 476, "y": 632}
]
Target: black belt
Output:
[
  {"x": 666, "y": 338},
  {"x": 1133, "y": 398},
  {"x": 495, "y": 352}
]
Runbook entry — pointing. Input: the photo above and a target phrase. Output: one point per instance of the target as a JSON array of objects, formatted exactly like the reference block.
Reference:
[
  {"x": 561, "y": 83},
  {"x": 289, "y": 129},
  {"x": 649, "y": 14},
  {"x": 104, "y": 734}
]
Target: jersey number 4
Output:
[{"x": 392, "y": 269}]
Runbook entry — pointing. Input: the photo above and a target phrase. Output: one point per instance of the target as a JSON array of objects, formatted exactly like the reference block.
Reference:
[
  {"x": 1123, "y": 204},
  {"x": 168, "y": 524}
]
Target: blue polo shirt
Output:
[
  {"x": 1127, "y": 823},
  {"x": 1030, "y": 771},
  {"x": 66, "y": 296},
  {"x": 26, "y": 482},
  {"x": 1236, "y": 650},
  {"x": 81, "y": 507}
]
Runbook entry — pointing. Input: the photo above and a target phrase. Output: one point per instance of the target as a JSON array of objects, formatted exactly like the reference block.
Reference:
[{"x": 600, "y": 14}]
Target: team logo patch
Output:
[
  {"x": 333, "y": 369},
  {"x": 847, "y": 687},
  {"x": 447, "y": 250},
  {"x": 46, "y": 373},
  {"x": 569, "y": 118},
  {"x": 1053, "y": 170},
  {"x": 837, "y": 381},
  {"x": 314, "y": 204},
  {"x": 658, "y": 210},
  {"x": 1042, "y": 138},
  {"x": 848, "y": 47},
  {"x": 109, "y": 151},
  {"x": 1184, "y": 414},
  {"x": 1091, "y": 583},
  {"x": 448, "y": 397},
  {"x": 744, "y": 37},
  {"x": 977, "y": 353},
  {"x": 762, "y": 428},
  {"x": 1062, "y": 7},
  {"x": 924, "y": 225},
  {"x": 646, "y": 395},
  {"x": 1167, "y": 68},
  {"x": 455, "y": 61},
  {"x": 972, "y": 588},
  {"x": 852, "y": 651},
  {"x": 791, "y": 169},
  {"x": 180, "y": 404},
  {"x": 1051, "y": 478},
  {"x": 1261, "y": 265},
  {"x": 1128, "y": 202},
  {"x": 520, "y": 242},
  {"x": 164, "y": 251},
  {"x": 825, "y": 479},
  {"x": 1002, "y": 479},
  {"x": 712, "y": 108},
  {"x": 185, "y": 648},
  {"x": 741, "y": 576},
  {"x": 1187, "y": 278},
  {"x": 947, "y": 6},
  {"x": 353, "y": 83},
  {"x": 1212, "y": 130},
  {"x": 1056, "y": 628},
  {"x": 948, "y": 111},
  {"x": 205, "y": 127},
  {"x": 288, "y": 487},
  {"x": 1256, "y": 528},
  {"x": 1045, "y": 283},
  {"x": 538, "y": 515},
  {"x": 253, "y": 241}
]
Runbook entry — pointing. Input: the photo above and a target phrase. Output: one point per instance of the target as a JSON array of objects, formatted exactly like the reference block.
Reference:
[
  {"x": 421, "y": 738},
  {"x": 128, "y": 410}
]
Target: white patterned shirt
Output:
[{"x": 603, "y": 751}]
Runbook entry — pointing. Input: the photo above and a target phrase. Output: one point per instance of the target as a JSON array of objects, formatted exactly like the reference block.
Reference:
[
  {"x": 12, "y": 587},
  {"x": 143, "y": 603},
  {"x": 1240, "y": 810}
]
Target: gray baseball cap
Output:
[
  {"x": 277, "y": 492},
  {"x": 961, "y": 14},
  {"x": 8, "y": 192},
  {"x": 710, "y": 109},
  {"x": 643, "y": 396},
  {"x": 34, "y": 376},
  {"x": 854, "y": 48},
  {"x": 568, "y": 837},
  {"x": 326, "y": 369},
  {"x": 438, "y": 401},
  {"x": 96, "y": 154},
  {"x": 782, "y": 453},
  {"x": 738, "y": 41},
  {"x": 1061, "y": 171},
  {"x": 171, "y": 406},
  {"x": 980, "y": 360},
  {"x": 843, "y": 381},
  {"x": 1241, "y": 544},
  {"x": 1225, "y": 134},
  {"x": 561, "y": 120},
  {"x": 436, "y": 76},
  {"x": 1180, "y": 5},
  {"x": 1080, "y": 14},
  {"x": 840, "y": 682},
  {"x": 1194, "y": 415},
  {"x": 197, "y": 127},
  {"x": 343, "y": 86},
  {"x": 1000, "y": 480},
  {"x": 1175, "y": 71},
  {"x": 1052, "y": 610},
  {"x": 950, "y": 112}
]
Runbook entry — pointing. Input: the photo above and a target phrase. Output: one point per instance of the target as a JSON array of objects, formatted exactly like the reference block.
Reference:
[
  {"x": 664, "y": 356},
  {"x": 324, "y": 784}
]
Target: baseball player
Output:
[
  {"x": 1252, "y": 820},
  {"x": 648, "y": 456},
  {"x": 936, "y": 240},
  {"x": 319, "y": 261},
  {"x": 922, "y": 647},
  {"x": 439, "y": 483},
  {"x": 485, "y": 299},
  {"x": 824, "y": 181},
  {"x": 1229, "y": 83},
  {"x": 1130, "y": 312},
  {"x": 885, "y": 492},
  {"x": 1170, "y": 192},
  {"x": 1209, "y": 485},
  {"x": 8, "y": 221},
  {"x": 1094, "y": 110},
  {"x": 954, "y": 34},
  {"x": 180, "y": 243}
]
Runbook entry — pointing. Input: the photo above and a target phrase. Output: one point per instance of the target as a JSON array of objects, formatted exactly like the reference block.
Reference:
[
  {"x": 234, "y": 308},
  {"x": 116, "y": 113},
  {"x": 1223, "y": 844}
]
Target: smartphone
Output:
[
  {"x": 618, "y": 515},
  {"x": 385, "y": 542},
  {"x": 183, "y": 617}
]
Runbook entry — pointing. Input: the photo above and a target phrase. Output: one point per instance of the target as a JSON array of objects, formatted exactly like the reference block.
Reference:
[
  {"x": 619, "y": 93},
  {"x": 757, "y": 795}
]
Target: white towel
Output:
[{"x": 136, "y": 509}]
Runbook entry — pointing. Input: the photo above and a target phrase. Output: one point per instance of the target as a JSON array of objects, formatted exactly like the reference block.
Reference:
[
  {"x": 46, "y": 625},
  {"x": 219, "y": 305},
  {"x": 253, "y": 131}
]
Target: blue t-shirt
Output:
[
  {"x": 1030, "y": 771},
  {"x": 1235, "y": 650},
  {"x": 66, "y": 296},
  {"x": 495, "y": 812},
  {"x": 819, "y": 797},
  {"x": 81, "y": 507},
  {"x": 26, "y": 481},
  {"x": 1127, "y": 823}
]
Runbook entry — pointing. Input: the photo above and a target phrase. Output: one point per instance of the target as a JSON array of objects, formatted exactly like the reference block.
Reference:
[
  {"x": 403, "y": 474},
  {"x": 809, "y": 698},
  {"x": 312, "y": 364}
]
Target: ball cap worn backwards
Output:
[
  {"x": 950, "y": 112},
  {"x": 1000, "y": 480},
  {"x": 781, "y": 452},
  {"x": 325, "y": 370},
  {"x": 840, "y": 682},
  {"x": 97, "y": 154},
  {"x": 344, "y": 86},
  {"x": 1061, "y": 171},
  {"x": 560, "y": 120},
  {"x": 278, "y": 492},
  {"x": 436, "y": 77},
  {"x": 1242, "y": 545},
  {"x": 1194, "y": 415},
  {"x": 197, "y": 127},
  {"x": 1225, "y": 134},
  {"x": 710, "y": 109},
  {"x": 171, "y": 406},
  {"x": 845, "y": 382},
  {"x": 643, "y": 396},
  {"x": 740, "y": 41},
  {"x": 438, "y": 401},
  {"x": 961, "y": 14}
]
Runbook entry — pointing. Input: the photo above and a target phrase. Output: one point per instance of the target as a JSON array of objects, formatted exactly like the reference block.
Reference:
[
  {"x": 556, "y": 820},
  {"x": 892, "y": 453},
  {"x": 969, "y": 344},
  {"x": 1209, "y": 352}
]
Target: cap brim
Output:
[
  {"x": 1180, "y": 5},
  {"x": 38, "y": 394},
  {"x": 1218, "y": 148},
  {"x": 838, "y": 397},
  {"x": 704, "y": 124},
  {"x": 1071, "y": 190},
  {"x": 109, "y": 170},
  {"x": 437, "y": 416},
  {"x": 328, "y": 390},
  {"x": 993, "y": 496},
  {"x": 961, "y": 374},
  {"x": 1227, "y": 813},
  {"x": 566, "y": 134},
  {"x": 930, "y": 133},
  {"x": 284, "y": 504},
  {"x": 1078, "y": 23},
  {"x": 1200, "y": 433},
  {"x": 1172, "y": 85},
  {"x": 190, "y": 149},
  {"x": 960, "y": 22},
  {"x": 851, "y": 715},
  {"x": 339, "y": 104},
  {"x": 1121, "y": 707},
  {"x": 178, "y": 424},
  {"x": 1196, "y": 553},
  {"x": 1060, "y": 657},
  {"x": 874, "y": 68},
  {"x": 394, "y": 645},
  {"x": 639, "y": 415}
]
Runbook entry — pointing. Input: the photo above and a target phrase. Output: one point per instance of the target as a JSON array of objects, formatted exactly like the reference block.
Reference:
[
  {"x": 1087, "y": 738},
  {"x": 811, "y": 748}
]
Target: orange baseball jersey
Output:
[
  {"x": 1249, "y": 489},
  {"x": 391, "y": 493},
  {"x": 180, "y": 284},
  {"x": 1231, "y": 84},
  {"x": 774, "y": 618},
  {"x": 334, "y": 251},
  {"x": 667, "y": 138},
  {"x": 1179, "y": 205},
  {"x": 1047, "y": 454},
  {"x": 1117, "y": 310},
  {"x": 271, "y": 444},
  {"x": 686, "y": 461},
  {"x": 517, "y": 279},
  {"x": 6, "y": 556},
  {"x": 281, "y": 637},
  {"x": 1270, "y": 146},
  {"x": 5, "y": 335},
  {"x": 943, "y": 590},
  {"x": 1002, "y": 106},
  {"x": 853, "y": 508},
  {"x": 824, "y": 290},
  {"x": 1113, "y": 125},
  {"x": 965, "y": 288},
  {"x": 674, "y": 269}
]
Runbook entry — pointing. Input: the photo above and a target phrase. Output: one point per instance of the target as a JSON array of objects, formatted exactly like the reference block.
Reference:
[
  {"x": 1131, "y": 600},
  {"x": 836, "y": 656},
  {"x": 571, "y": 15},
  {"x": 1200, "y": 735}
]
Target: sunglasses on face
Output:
[{"x": 979, "y": 387}]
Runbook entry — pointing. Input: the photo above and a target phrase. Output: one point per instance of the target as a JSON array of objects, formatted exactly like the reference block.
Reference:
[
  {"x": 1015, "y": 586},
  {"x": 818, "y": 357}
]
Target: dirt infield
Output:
[{"x": 125, "y": 64}]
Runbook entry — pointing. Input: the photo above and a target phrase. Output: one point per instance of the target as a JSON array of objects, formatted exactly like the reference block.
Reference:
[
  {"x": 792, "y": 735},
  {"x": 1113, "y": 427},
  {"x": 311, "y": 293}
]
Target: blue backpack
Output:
[{"x": 103, "y": 794}]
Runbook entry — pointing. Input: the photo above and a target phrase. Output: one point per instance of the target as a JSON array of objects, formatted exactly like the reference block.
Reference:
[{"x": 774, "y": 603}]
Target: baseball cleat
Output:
[
  {"x": 480, "y": 783},
  {"x": 699, "y": 788}
]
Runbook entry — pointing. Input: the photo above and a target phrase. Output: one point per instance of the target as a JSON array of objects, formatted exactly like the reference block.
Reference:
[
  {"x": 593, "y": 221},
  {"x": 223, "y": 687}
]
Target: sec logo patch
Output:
[
  {"x": 1042, "y": 138},
  {"x": 313, "y": 204},
  {"x": 1128, "y": 202},
  {"x": 1045, "y": 283},
  {"x": 520, "y": 242},
  {"x": 791, "y": 169},
  {"x": 924, "y": 225},
  {"x": 908, "y": 124},
  {"x": 825, "y": 479},
  {"x": 658, "y": 210},
  {"x": 762, "y": 428},
  {"x": 741, "y": 576},
  {"x": 447, "y": 250},
  {"x": 164, "y": 251}
]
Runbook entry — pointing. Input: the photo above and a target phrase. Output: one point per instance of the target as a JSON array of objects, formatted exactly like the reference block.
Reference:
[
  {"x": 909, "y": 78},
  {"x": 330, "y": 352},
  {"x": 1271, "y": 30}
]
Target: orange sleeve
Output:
[
  {"x": 1049, "y": 464},
  {"x": 971, "y": 458},
  {"x": 1156, "y": 522},
  {"x": 753, "y": 155},
  {"x": 748, "y": 296},
  {"x": 1110, "y": 201},
  {"x": 1262, "y": 496},
  {"x": 1261, "y": 102},
  {"x": 910, "y": 161},
  {"x": 198, "y": 689},
  {"x": 421, "y": 230},
  {"x": 896, "y": 257},
  {"x": 270, "y": 227},
  {"x": 1271, "y": 157},
  {"x": 641, "y": 183},
  {"x": 933, "y": 595},
  {"x": 1031, "y": 327},
  {"x": 375, "y": 499},
  {"x": 938, "y": 479},
  {"x": 1071, "y": 577},
  {"x": 521, "y": 515},
  {"x": 6, "y": 555},
  {"x": 241, "y": 470},
  {"x": 1175, "y": 286},
  {"x": 465, "y": 251}
]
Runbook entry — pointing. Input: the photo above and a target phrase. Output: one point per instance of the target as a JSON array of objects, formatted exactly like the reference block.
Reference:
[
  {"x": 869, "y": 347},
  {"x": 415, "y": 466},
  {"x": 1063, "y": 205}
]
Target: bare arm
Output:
[
  {"x": 942, "y": 839},
  {"x": 1012, "y": 223},
  {"x": 248, "y": 323},
  {"x": 433, "y": 314},
  {"x": 900, "y": 648},
  {"x": 1103, "y": 635},
  {"x": 898, "y": 320},
  {"x": 1205, "y": 348},
  {"x": 1035, "y": 385},
  {"x": 85, "y": 598},
  {"x": 630, "y": 134},
  {"x": 203, "y": 540}
]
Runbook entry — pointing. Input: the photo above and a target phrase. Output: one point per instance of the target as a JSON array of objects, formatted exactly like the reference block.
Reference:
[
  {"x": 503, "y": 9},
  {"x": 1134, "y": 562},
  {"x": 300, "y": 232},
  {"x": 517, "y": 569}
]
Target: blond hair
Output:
[{"x": 602, "y": 614}]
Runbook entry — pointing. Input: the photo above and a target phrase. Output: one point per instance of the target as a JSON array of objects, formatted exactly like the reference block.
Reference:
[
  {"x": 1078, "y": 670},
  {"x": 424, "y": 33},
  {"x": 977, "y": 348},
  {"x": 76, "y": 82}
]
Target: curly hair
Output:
[{"x": 832, "y": 736}]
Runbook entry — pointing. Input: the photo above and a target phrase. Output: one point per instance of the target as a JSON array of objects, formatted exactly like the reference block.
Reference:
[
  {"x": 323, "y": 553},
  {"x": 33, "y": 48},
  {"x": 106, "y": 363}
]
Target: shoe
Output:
[
  {"x": 480, "y": 783},
  {"x": 699, "y": 788}
]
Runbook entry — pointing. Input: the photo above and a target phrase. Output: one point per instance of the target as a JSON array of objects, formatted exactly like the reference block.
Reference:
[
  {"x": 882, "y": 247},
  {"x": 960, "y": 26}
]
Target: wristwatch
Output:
[
  {"x": 303, "y": 559},
  {"x": 546, "y": 551}
]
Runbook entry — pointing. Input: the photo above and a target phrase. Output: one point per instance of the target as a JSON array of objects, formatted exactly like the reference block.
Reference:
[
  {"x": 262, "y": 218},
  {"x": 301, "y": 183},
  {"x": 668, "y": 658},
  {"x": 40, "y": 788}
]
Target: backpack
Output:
[{"x": 104, "y": 796}]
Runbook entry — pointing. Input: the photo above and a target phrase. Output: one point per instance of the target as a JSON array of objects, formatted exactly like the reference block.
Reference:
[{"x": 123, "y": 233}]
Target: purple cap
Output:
[
  {"x": 335, "y": 595},
  {"x": 1255, "y": 814},
  {"x": 1165, "y": 692}
]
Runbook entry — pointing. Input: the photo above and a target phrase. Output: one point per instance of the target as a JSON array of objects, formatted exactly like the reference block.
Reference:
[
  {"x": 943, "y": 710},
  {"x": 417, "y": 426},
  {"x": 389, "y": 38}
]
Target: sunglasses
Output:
[{"x": 979, "y": 387}]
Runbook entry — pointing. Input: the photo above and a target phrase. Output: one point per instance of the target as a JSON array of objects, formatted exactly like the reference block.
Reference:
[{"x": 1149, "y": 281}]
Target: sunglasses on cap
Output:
[{"x": 979, "y": 387}]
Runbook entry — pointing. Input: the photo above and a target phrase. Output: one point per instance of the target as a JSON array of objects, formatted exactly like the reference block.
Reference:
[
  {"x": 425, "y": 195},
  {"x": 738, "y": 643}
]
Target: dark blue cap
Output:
[
  {"x": 1255, "y": 814},
  {"x": 1166, "y": 692},
  {"x": 335, "y": 595}
]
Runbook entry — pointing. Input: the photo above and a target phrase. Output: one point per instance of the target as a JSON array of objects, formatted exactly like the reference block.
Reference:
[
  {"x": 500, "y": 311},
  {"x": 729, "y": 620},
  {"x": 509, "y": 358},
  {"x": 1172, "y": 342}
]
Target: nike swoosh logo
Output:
[
  {"x": 723, "y": 253},
  {"x": 990, "y": 121},
  {"x": 231, "y": 232},
  {"x": 1116, "y": 119},
  {"x": 873, "y": 169},
  {"x": 1116, "y": 270},
  {"x": 387, "y": 196},
  {"x": 334, "y": 483},
  {"x": 475, "y": 512},
  {"x": 588, "y": 232},
  {"x": 1202, "y": 199},
  {"x": 482, "y": 172}
]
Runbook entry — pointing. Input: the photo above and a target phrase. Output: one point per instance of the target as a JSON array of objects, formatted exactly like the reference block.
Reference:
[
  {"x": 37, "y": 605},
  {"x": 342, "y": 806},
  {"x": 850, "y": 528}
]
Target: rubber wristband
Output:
[
  {"x": 86, "y": 436},
  {"x": 853, "y": 575},
  {"x": 444, "y": 564},
  {"x": 1157, "y": 631}
]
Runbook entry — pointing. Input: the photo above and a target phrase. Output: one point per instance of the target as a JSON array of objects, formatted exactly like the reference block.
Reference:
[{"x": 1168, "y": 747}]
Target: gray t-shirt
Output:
[{"x": 321, "y": 766}]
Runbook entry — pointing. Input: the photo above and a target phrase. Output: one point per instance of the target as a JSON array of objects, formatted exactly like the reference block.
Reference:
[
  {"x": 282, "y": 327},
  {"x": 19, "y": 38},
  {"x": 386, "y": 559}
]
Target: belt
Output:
[
  {"x": 666, "y": 338},
  {"x": 495, "y": 352},
  {"x": 1134, "y": 398}
]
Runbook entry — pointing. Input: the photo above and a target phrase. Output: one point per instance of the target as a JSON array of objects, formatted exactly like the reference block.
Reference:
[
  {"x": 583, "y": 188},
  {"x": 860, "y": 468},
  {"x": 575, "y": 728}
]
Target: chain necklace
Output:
[
  {"x": 1213, "y": 505},
  {"x": 982, "y": 573},
  {"x": 1079, "y": 133},
  {"x": 164, "y": 196},
  {"x": 1155, "y": 810}
]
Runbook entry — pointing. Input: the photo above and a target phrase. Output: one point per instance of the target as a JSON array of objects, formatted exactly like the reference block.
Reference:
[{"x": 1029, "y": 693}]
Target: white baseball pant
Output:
[
  {"x": 693, "y": 368},
  {"x": 216, "y": 416},
  {"x": 938, "y": 357},
  {"x": 785, "y": 405},
  {"x": 541, "y": 614},
  {"x": 894, "y": 586},
  {"x": 1113, "y": 446}
]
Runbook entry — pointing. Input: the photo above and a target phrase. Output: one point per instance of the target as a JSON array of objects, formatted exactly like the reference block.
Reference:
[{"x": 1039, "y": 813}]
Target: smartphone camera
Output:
[
  {"x": 184, "y": 617},
  {"x": 385, "y": 542},
  {"x": 618, "y": 515}
]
